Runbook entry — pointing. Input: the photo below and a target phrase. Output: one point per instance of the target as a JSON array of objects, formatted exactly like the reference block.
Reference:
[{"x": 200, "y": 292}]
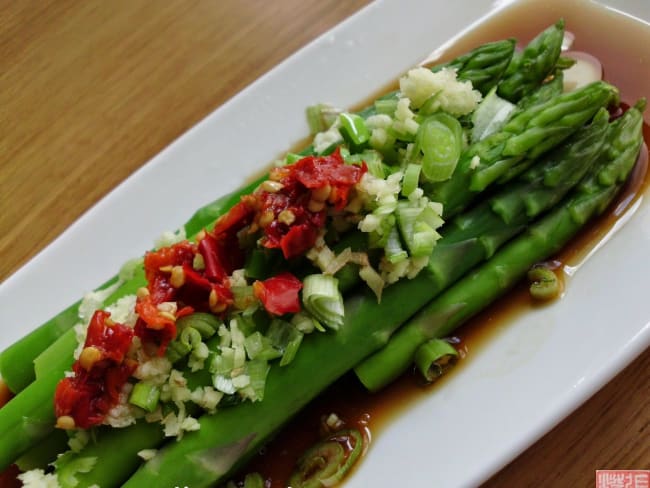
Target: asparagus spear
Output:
[
  {"x": 483, "y": 66},
  {"x": 616, "y": 159},
  {"x": 531, "y": 66},
  {"x": 528, "y": 134}
]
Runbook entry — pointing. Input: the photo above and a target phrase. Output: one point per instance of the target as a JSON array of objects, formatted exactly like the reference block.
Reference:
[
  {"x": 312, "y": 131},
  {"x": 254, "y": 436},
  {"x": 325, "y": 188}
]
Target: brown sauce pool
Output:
[{"x": 627, "y": 65}]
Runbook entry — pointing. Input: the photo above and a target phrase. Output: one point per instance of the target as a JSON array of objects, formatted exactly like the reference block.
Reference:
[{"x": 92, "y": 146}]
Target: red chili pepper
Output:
[
  {"x": 319, "y": 171},
  {"x": 298, "y": 240},
  {"x": 279, "y": 294},
  {"x": 214, "y": 269},
  {"x": 238, "y": 217},
  {"x": 176, "y": 255},
  {"x": 152, "y": 327},
  {"x": 299, "y": 182},
  {"x": 96, "y": 385}
]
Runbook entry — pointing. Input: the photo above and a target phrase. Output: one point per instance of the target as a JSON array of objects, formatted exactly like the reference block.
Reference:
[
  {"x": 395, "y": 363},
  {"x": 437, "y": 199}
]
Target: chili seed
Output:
[
  {"x": 65, "y": 422},
  {"x": 89, "y": 356},
  {"x": 215, "y": 305},
  {"x": 142, "y": 292},
  {"x": 287, "y": 217},
  {"x": 315, "y": 206},
  {"x": 177, "y": 278},
  {"x": 169, "y": 307},
  {"x": 198, "y": 262},
  {"x": 321, "y": 194},
  {"x": 272, "y": 186},
  {"x": 167, "y": 315},
  {"x": 266, "y": 218}
]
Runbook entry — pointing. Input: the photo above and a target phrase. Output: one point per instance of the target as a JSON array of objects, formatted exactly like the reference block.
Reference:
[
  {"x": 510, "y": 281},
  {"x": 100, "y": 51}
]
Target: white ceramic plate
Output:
[{"x": 518, "y": 386}]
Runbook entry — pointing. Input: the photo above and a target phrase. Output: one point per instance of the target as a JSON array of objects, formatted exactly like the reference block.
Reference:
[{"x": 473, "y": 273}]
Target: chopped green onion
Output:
[
  {"x": 544, "y": 283},
  {"x": 411, "y": 179},
  {"x": 257, "y": 370},
  {"x": 291, "y": 158},
  {"x": 251, "y": 320},
  {"x": 305, "y": 323},
  {"x": 145, "y": 395},
  {"x": 374, "y": 161},
  {"x": 386, "y": 106},
  {"x": 223, "y": 363},
  {"x": 440, "y": 139},
  {"x": 258, "y": 346},
  {"x": 393, "y": 251},
  {"x": 418, "y": 236},
  {"x": 292, "y": 347},
  {"x": 354, "y": 131},
  {"x": 430, "y": 105},
  {"x": 206, "y": 324},
  {"x": 423, "y": 240},
  {"x": 69, "y": 465},
  {"x": 321, "y": 117},
  {"x": 243, "y": 296},
  {"x": 434, "y": 358},
  {"x": 329, "y": 461},
  {"x": 177, "y": 350},
  {"x": 322, "y": 299},
  {"x": 431, "y": 215}
]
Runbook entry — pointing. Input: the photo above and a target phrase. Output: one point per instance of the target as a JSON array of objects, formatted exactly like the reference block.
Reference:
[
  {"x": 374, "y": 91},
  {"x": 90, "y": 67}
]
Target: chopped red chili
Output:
[
  {"x": 301, "y": 199},
  {"x": 289, "y": 212},
  {"x": 99, "y": 374},
  {"x": 279, "y": 294}
]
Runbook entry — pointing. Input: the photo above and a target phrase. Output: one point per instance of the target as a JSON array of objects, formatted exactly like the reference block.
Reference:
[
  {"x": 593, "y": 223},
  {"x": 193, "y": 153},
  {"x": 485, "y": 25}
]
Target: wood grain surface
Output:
[{"x": 91, "y": 90}]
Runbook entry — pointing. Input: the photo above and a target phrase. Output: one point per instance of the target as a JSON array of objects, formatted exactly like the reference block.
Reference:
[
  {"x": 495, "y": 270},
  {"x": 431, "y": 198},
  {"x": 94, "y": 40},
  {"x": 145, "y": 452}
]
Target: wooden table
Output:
[{"x": 86, "y": 86}]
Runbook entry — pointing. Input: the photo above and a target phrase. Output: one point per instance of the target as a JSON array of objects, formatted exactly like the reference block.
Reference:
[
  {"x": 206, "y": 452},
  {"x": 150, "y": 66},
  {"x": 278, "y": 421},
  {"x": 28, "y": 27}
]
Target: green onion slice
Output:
[
  {"x": 440, "y": 139},
  {"x": 145, "y": 395},
  {"x": 205, "y": 324},
  {"x": 322, "y": 299},
  {"x": 354, "y": 130},
  {"x": 328, "y": 462},
  {"x": 544, "y": 284},
  {"x": 434, "y": 358},
  {"x": 411, "y": 179}
]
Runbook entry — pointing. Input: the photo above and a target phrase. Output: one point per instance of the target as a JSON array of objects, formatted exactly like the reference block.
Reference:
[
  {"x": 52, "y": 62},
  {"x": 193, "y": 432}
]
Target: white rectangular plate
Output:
[{"x": 525, "y": 380}]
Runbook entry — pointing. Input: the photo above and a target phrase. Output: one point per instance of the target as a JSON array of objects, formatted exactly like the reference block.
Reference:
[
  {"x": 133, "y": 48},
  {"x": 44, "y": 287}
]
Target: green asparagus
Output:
[
  {"x": 226, "y": 440},
  {"x": 474, "y": 236},
  {"x": 528, "y": 134},
  {"x": 531, "y": 66},
  {"x": 616, "y": 159},
  {"x": 483, "y": 66},
  {"x": 16, "y": 362},
  {"x": 542, "y": 120}
]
